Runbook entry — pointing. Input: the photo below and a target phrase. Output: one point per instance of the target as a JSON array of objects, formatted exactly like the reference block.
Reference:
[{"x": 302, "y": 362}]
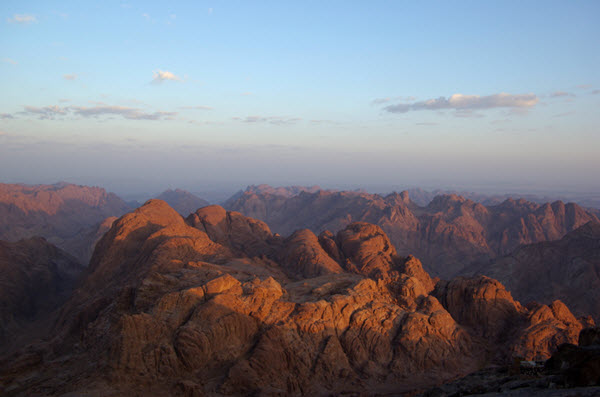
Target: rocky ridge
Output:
[
  {"x": 450, "y": 234},
  {"x": 218, "y": 304}
]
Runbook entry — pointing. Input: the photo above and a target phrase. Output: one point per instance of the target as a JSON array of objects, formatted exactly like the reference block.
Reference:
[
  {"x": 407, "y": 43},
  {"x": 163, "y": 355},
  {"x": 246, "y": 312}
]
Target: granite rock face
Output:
[{"x": 217, "y": 304}]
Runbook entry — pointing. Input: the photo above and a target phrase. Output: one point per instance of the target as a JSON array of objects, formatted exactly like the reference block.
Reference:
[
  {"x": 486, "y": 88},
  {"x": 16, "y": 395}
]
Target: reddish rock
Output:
[{"x": 172, "y": 306}]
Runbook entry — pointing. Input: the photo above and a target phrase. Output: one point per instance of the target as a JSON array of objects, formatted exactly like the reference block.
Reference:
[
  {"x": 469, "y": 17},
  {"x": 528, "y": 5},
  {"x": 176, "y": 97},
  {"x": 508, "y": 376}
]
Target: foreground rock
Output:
[
  {"x": 571, "y": 371},
  {"x": 217, "y": 304}
]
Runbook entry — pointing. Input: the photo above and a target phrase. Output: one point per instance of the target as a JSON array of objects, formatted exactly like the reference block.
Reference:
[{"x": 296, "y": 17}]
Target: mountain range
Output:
[
  {"x": 216, "y": 303},
  {"x": 450, "y": 234}
]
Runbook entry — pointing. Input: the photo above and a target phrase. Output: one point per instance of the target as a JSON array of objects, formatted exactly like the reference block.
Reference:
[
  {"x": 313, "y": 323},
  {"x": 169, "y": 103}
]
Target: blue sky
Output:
[{"x": 142, "y": 95}]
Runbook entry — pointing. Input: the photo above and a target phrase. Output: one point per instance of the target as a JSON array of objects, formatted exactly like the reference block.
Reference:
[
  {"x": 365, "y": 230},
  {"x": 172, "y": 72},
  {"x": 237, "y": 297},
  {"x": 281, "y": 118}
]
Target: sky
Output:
[{"x": 140, "y": 96}]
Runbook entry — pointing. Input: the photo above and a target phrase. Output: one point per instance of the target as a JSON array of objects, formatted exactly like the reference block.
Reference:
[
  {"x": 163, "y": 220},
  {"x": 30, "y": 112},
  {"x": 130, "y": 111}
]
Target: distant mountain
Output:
[
  {"x": 182, "y": 201},
  {"x": 448, "y": 234},
  {"x": 35, "y": 279},
  {"x": 67, "y": 215},
  {"x": 216, "y": 304},
  {"x": 567, "y": 269},
  {"x": 281, "y": 191}
]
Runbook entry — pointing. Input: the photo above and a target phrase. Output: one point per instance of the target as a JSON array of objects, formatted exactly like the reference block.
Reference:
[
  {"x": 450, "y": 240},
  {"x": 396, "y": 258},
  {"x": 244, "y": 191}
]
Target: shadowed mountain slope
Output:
[
  {"x": 567, "y": 269},
  {"x": 35, "y": 279},
  {"x": 69, "y": 216}
]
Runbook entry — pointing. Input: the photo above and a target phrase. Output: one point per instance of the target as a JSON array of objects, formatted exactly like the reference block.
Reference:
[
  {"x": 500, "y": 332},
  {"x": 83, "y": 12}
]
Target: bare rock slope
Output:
[{"x": 217, "y": 304}]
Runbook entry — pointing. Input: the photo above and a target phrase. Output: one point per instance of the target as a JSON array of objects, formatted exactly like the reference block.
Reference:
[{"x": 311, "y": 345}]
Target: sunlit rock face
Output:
[{"x": 217, "y": 304}]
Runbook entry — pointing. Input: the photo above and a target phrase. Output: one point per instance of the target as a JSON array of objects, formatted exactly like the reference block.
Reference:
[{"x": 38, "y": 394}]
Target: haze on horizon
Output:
[{"x": 141, "y": 95}]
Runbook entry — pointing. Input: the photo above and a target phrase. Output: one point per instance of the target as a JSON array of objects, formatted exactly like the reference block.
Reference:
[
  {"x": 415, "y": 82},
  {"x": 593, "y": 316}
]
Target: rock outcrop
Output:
[{"x": 217, "y": 304}]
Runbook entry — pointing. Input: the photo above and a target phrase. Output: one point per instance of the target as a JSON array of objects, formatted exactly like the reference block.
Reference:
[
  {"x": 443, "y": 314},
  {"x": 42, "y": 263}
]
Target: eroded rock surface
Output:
[{"x": 217, "y": 304}]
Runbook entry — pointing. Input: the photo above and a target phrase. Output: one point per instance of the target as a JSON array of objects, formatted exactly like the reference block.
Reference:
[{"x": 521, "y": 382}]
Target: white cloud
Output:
[
  {"x": 468, "y": 102},
  {"x": 11, "y": 61},
  {"x": 162, "y": 75},
  {"x": 22, "y": 19},
  {"x": 70, "y": 76},
  {"x": 4, "y": 116}
]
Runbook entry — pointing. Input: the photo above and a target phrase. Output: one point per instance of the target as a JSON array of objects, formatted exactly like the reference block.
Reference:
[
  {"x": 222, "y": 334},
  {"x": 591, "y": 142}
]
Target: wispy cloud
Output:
[
  {"x": 595, "y": 92},
  {"x": 124, "y": 111},
  {"x": 276, "y": 120},
  {"x": 11, "y": 61},
  {"x": 164, "y": 75},
  {"x": 468, "y": 102},
  {"x": 195, "y": 108},
  {"x": 381, "y": 101},
  {"x": 22, "y": 19},
  {"x": 584, "y": 86},
  {"x": 70, "y": 76},
  {"x": 45, "y": 112},
  {"x": 4, "y": 116},
  {"x": 558, "y": 94},
  {"x": 50, "y": 112}
]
